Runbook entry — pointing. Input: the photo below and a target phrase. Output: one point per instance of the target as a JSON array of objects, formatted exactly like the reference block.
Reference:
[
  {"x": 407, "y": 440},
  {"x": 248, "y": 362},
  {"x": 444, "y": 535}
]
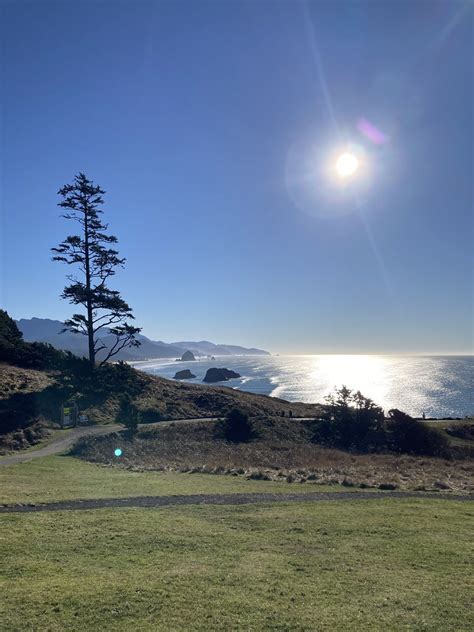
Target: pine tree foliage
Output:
[{"x": 93, "y": 252}]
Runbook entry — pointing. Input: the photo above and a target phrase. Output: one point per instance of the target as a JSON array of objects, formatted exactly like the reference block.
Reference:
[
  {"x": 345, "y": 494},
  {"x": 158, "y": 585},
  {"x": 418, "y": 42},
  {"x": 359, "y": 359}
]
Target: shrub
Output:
[
  {"x": 408, "y": 435},
  {"x": 236, "y": 427},
  {"x": 128, "y": 415},
  {"x": 352, "y": 421},
  {"x": 17, "y": 411},
  {"x": 151, "y": 415},
  {"x": 258, "y": 475}
]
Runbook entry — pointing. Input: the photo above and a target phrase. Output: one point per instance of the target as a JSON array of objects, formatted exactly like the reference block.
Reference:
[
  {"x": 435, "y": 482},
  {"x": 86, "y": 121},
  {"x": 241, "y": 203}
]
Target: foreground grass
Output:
[
  {"x": 387, "y": 564},
  {"x": 65, "y": 478}
]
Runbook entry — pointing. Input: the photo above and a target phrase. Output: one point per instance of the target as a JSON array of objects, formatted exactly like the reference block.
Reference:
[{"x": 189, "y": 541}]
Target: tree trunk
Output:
[{"x": 90, "y": 324}]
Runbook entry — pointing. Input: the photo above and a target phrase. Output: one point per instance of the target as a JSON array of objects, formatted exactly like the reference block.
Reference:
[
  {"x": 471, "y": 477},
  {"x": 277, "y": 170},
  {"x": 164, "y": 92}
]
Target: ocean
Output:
[{"x": 439, "y": 386}]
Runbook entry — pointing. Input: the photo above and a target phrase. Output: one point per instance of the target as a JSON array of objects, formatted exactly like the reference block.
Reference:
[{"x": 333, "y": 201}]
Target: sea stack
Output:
[
  {"x": 220, "y": 375},
  {"x": 187, "y": 356},
  {"x": 185, "y": 374}
]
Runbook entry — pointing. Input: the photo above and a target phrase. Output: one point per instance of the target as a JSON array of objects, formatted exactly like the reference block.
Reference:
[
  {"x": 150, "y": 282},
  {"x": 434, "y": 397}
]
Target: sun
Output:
[{"x": 346, "y": 165}]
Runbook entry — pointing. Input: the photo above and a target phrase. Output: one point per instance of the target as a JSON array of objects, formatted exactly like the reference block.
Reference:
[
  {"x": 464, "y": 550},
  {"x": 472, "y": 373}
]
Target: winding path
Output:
[
  {"x": 222, "y": 499},
  {"x": 59, "y": 445},
  {"x": 64, "y": 444}
]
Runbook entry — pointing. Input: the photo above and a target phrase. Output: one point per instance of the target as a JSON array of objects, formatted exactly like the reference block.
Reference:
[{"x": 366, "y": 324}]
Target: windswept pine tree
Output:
[{"x": 105, "y": 311}]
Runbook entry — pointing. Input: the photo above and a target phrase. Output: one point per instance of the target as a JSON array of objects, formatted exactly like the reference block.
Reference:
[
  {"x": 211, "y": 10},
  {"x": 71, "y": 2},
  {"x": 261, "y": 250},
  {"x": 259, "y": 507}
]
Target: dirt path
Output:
[
  {"x": 59, "y": 445},
  {"x": 64, "y": 444},
  {"x": 221, "y": 499}
]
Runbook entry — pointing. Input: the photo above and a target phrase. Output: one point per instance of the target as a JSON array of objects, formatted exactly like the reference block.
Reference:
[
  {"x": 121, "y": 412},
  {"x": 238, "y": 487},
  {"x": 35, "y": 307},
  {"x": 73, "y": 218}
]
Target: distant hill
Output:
[
  {"x": 47, "y": 330},
  {"x": 204, "y": 347}
]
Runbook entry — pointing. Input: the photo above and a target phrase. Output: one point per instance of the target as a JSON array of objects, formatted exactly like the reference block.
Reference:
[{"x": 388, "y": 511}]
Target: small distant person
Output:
[
  {"x": 291, "y": 413},
  {"x": 424, "y": 416},
  {"x": 282, "y": 413}
]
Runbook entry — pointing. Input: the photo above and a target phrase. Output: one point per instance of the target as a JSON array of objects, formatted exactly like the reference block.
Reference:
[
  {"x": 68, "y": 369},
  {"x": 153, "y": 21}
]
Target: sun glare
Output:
[{"x": 346, "y": 165}]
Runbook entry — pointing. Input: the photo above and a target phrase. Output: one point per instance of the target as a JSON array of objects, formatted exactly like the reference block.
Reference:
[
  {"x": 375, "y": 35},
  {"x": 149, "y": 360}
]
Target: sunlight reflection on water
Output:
[{"x": 437, "y": 385}]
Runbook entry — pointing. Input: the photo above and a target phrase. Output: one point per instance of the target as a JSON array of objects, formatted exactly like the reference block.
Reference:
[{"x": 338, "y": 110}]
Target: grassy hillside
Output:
[
  {"x": 18, "y": 380},
  {"x": 177, "y": 400},
  {"x": 36, "y": 380},
  {"x": 22, "y": 410},
  {"x": 31, "y": 398}
]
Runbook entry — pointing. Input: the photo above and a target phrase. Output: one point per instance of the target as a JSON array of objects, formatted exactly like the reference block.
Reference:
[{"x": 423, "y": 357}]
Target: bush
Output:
[
  {"x": 128, "y": 415},
  {"x": 237, "y": 427},
  {"x": 352, "y": 421},
  {"x": 17, "y": 411},
  {"x": 408, "y": 435},
  {"x": 151, "y": 415}
]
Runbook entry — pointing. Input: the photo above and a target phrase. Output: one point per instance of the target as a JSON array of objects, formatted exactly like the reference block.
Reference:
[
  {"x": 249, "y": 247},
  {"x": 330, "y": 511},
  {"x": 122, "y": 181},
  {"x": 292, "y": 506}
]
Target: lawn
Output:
[
  {"x": 354, "y": 565},
  {"x": 65, "y": 478},
  {"x": 331, "y": 565}
]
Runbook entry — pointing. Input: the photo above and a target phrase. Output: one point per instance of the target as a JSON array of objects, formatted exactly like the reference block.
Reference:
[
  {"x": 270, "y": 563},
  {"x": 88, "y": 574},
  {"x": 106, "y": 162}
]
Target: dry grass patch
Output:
[
  {"x": 289, "y": 457},
  {"x": 14, "y": 379}
]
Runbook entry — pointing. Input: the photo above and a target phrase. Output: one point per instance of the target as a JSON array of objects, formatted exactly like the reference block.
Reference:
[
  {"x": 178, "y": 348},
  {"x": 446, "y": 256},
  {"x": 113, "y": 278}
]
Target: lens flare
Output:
[
  {"x": 118, "y": 452},
  {"x": 346, "y": 165},
  {"x": 371, "y": 132}
]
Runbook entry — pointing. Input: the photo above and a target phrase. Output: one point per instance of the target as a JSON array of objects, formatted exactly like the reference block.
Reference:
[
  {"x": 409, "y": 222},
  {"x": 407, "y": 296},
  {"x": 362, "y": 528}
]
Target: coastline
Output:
[{"x": 438, "y": 386}]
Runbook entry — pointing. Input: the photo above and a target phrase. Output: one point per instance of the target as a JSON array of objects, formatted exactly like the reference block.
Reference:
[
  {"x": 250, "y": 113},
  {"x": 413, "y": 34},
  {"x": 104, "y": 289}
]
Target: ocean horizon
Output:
[{"x": 434, "y": 385}]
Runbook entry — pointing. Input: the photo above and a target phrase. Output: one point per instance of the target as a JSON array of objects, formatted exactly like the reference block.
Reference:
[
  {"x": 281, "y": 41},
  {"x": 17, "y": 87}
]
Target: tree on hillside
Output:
[
  {"x": 105, "y": 310},
  {"x": 128, "y": 415},
  {"x": 236, "y": 427},
  {"x": 351, "y": 421},
  {"x": 34, "y": 355},
  {"x": 11, "y": 339},
  {"x": 10, "y": 336}
]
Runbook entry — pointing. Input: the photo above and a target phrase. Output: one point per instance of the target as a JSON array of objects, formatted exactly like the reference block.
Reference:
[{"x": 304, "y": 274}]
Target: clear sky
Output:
[{"x": 205, "y": 122}]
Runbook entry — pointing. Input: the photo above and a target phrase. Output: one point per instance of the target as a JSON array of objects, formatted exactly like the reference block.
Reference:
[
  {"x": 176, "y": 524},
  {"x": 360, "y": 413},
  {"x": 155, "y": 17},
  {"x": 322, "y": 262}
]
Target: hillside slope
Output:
[{"x": 29, "y": 396}]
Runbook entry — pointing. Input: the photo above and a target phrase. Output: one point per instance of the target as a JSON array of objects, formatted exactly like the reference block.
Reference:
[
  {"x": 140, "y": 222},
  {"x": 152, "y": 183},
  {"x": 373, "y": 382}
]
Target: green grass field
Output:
[
  {"x": 65, "y": 478},
  {"x": 333, "y": 565},
  {"x": 330, "y": 566}
]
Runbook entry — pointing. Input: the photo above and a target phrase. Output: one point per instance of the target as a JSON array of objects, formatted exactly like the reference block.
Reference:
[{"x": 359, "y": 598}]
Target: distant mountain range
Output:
[{"x": 47, "y": 330}]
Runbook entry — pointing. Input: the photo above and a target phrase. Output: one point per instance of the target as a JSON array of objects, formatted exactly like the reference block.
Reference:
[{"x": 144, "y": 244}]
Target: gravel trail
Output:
[{"x": 222, "y": 499}]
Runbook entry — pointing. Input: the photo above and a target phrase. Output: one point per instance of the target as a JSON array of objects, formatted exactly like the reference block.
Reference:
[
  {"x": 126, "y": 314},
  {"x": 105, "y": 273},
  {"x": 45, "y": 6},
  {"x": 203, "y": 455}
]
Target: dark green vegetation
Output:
[
  {"x": 32, "y": 355},
  {"x": 388, "y": 564},
  {"x": 354, "y": 422},
  {"x": 128, "y": 415},
  {"x": 236, "y": 427}
]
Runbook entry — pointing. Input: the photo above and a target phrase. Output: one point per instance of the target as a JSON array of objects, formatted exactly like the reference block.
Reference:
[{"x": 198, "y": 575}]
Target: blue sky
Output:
[{"x": 202, "y": 121}]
